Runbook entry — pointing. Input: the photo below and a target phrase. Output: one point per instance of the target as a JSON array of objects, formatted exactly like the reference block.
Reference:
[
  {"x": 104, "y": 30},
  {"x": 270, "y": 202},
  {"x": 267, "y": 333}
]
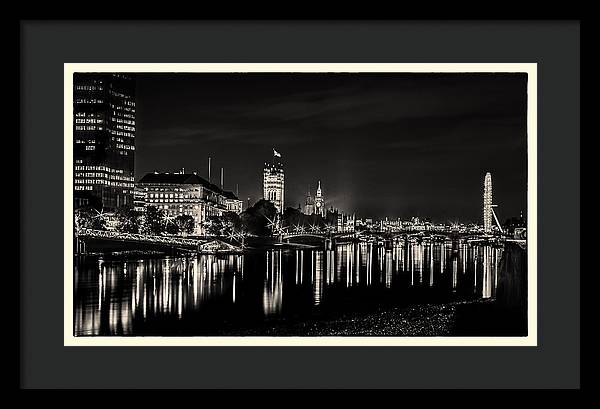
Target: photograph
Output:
[{"x": 324, "y": 204}]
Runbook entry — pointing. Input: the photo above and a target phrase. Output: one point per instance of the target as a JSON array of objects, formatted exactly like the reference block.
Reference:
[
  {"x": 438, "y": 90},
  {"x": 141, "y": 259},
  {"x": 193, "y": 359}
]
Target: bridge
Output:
[
  {"x": 204, "y": 245},
  {"x": 379, "y": 234},
  {"x": 318, "y": 235}
]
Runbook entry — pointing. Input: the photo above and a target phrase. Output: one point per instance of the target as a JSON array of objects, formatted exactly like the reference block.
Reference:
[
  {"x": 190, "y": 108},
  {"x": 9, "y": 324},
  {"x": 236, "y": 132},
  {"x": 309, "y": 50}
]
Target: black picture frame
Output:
[{"x": 46, "y": 46}]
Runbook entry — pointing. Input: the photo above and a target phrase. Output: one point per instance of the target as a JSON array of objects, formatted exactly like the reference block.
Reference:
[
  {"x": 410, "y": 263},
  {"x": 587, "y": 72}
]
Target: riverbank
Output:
[{"x": 464, "y": 318}]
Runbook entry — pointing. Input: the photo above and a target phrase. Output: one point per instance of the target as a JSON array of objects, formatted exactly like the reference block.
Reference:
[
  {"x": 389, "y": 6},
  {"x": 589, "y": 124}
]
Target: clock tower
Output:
[{"x": 319, "y": 202}]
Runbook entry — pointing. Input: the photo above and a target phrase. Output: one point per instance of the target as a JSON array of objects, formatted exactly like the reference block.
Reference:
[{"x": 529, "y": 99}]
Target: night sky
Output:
[{"x": 395, "y": 145}]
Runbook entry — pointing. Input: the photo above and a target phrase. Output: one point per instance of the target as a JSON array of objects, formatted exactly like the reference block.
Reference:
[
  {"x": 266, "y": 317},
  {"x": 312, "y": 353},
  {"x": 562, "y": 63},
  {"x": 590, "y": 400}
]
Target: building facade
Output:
[
  {"x": 274, "y": 184},
  {"x": 181, "y": 193},
  {"x": 139, "y": 199},
  {"x": 309, "y": 204},
  {"x": 233, "y": 203},
  {"x": 345, "y": 223},
  {"x": 487, "y": 203},
  {"x": 315, "y": 205},
  {"x": 104, "y": 140}
]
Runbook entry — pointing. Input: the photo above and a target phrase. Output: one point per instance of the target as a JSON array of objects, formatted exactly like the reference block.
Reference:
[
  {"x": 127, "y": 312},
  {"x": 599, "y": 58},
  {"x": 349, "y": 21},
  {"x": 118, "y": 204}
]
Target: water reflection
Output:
[
  {"x": 317, "y": 275},
  {"x": 115, "y": 297},
  {"x": 273, "y": 284}
]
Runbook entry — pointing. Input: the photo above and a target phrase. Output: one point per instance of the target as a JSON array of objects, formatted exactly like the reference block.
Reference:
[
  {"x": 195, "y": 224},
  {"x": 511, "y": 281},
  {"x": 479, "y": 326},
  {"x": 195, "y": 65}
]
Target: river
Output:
[{"x": 230, "y": 293}]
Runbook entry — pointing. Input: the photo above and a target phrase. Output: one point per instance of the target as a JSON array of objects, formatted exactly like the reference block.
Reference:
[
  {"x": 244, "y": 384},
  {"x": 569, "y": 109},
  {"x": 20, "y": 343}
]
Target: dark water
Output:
[{"x": 214, "y": 295}]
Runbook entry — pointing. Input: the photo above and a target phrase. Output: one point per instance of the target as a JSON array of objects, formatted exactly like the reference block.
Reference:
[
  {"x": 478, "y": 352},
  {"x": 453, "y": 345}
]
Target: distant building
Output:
[
  {"x": 273, "y": 182},
  {"x": 516, "y": 226},
  {"x": 104, "y": 140},
  {"x": 345, "y": 223},
  {"x": 520, "y": 233},
  {"x": 315, "y": 205},
  {"x": 186, "y": 194},
  {"x": 391, "y": 225},
  {"x": 309, "y": 205}
]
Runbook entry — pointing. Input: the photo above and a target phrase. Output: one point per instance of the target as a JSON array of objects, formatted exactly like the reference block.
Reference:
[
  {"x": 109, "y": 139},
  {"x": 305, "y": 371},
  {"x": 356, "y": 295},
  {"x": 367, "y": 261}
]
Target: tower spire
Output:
[
  {"x": 319, "y": 202},
  {"x": 209, "y": 168}
]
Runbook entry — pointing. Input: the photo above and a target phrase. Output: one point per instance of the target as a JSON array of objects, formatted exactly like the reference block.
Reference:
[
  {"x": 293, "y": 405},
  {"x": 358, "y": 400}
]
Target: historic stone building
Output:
[
  {"x": 273, "y": 182},
  {"x": 345, "y": 223},
  {"x": 186, "y": 194},
  {"x": 315, "y": 205},
  {"x": 232, "y": 202},
  {"x": 309, "y": 204}
]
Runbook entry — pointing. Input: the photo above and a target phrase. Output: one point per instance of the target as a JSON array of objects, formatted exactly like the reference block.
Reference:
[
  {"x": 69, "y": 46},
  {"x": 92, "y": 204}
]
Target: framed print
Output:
[
  {"x": 297, "y": 204},
  {"x": 153, "y": 251}
]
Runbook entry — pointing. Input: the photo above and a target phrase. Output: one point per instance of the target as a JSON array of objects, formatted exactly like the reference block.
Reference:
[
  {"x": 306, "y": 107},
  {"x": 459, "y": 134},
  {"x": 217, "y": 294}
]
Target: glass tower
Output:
[{"x": 104, "y": 140}]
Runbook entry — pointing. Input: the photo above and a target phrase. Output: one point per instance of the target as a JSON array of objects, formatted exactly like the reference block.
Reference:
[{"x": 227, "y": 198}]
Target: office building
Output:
[{"x": 104, "y": 140}]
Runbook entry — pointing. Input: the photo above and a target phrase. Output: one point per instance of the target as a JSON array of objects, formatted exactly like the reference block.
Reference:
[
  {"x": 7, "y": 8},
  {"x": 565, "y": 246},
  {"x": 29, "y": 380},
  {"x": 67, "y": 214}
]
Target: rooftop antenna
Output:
[
  {"x": 221, "y": 178},
  {"x": 237, "y": 190},
  {"x": 209, "y": 168}
]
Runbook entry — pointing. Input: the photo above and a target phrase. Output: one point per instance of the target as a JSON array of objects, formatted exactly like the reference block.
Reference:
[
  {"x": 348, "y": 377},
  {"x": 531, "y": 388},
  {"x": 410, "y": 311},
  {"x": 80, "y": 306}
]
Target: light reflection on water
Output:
[{"x": 184, "y": 293}]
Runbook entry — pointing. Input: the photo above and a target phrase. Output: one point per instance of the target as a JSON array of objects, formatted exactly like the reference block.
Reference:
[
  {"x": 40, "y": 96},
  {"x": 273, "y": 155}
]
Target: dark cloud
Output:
[{"x": 382, "y": 144}]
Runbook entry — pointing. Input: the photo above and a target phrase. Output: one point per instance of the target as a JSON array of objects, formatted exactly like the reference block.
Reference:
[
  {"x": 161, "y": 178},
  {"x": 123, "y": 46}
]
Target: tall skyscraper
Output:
[
  {"x": 273, "y": 182},
  {"x": 487, "y": 203},
  {"x": 319, "y": 201},
  {"x": 104, "y": 140}
]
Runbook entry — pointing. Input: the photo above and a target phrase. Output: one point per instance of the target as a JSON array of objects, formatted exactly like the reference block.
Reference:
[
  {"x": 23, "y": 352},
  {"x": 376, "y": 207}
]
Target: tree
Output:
[
  {"x": 224, "y": 225},
  {"x": 154, "y": 221},
  {"x": 128, "y": 220},
  {"x": 232, "y": 221},
  {"x": 171, "y": 227},
  {"x": 255, "y": 219},
  {"x": 292, "y": 217},
  {"x": 185, "y": 224},
  {"x": 89, "y": 218}
]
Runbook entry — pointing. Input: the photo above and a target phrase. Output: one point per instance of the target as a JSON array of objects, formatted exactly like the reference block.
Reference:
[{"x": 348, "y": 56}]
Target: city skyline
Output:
[{"x": 433, "y": 169}]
